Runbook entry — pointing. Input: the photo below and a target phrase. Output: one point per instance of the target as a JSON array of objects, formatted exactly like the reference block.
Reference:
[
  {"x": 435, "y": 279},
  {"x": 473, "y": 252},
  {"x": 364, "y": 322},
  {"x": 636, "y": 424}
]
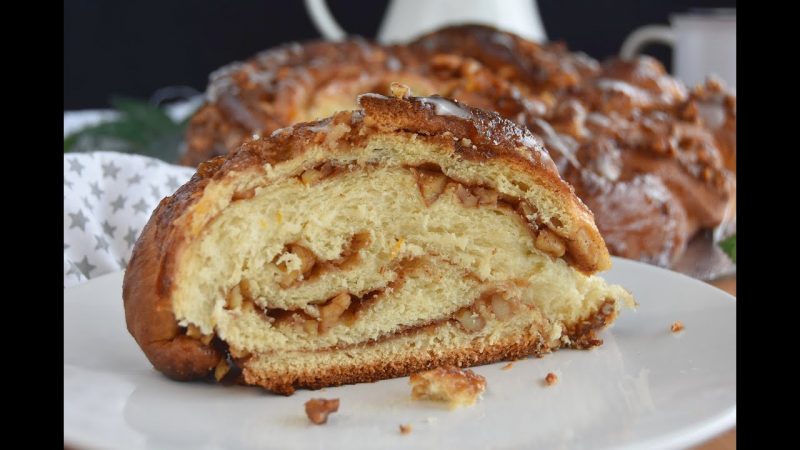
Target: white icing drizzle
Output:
[
  {"x": 712, "y": 114},
  {"x": 280, "y": 131},
  {"x": 323, "y": 125},
  {"x": 444, "y": 107},
  {"x": 556, "y": 141},
  {"x": 393, "y": 64},
  {"x": 370, "y": 95},
  {"x": 598, "y": 119},
  {"x": 222, "y": 81},
  {"x": 502, "y": 40},
  {"x": 627, "y": 89},
  {"x": 532, "y": 141}
]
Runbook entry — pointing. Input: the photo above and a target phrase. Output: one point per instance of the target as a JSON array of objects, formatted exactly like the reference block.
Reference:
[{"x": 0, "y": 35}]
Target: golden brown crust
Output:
[{"x": 146, "y": 291}]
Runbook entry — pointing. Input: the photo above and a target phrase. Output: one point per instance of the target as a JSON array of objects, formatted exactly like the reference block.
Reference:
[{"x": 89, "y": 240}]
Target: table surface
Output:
[{"x": 727, "y": 440}]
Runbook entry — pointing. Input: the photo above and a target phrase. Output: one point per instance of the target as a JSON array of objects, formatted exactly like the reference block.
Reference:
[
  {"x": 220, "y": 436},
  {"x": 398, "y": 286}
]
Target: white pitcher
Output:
[
  {"x": 703, "y": 42},
  {"x": 407, "y": 19}
]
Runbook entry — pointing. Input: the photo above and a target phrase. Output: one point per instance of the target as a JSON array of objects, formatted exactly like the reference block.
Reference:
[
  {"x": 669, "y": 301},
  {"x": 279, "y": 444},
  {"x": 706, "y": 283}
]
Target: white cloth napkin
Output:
[{"x": 108, "y": 198}]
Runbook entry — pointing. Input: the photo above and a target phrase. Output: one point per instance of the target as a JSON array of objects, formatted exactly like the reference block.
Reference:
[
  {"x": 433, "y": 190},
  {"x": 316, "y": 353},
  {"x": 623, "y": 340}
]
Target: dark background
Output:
[{"x": 134, "y": 48}]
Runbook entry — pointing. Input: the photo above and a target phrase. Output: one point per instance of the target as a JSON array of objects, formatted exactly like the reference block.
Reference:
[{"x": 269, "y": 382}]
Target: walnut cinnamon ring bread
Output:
[
  {"x": 654, "y": 161},
  {"x": 413, "y": 233}
]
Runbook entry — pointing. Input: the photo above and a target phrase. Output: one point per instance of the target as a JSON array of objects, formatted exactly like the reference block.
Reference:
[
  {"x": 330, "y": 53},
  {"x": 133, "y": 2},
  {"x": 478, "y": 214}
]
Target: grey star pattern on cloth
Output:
[
  {"x": 108, "y": 229},
  {"x": 155, "y": 191},
  {"x": 172, "y": 182},
  {"x": 78, "y": 220},
  {"x": 102, "y": 243},
  {"x": 96, "y": 191},
  {"x": 110, "y": 170},
  {"x": 85, "y": 267},
  {"x": 134, "y": 179},
  {"x": 76, "y": 166},
  {"x": 119, "y": 203},
  {"x": 108, "y": 197},
  {"x": 141, "y": 206},
  {"x": 130, "y": 238},
  {"x": 74, "y": 270}
]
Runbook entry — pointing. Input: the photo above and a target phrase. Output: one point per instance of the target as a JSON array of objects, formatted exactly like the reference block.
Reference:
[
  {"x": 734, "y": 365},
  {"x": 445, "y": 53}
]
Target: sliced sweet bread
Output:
[{"x": 413, "y": 233}]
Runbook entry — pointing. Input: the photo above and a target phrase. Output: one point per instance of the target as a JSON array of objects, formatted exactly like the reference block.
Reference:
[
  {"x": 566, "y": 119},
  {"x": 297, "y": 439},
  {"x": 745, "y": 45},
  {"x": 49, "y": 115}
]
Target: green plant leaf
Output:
[
  {"x": 141, "y": 128},
  {"x": 728, "y": 245}
]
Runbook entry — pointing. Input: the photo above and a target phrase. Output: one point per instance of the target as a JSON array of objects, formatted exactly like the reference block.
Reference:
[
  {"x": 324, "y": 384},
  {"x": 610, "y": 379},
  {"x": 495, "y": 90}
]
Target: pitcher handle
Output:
[
  {"x": 642, "y": 36},
  {"x": 324, "y": 20}
]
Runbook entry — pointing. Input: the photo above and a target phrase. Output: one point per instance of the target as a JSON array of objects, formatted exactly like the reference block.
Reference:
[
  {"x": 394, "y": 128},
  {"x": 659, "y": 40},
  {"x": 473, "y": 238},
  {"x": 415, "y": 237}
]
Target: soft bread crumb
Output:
[
  {"x": 318, "y": 409},
  {"x": 551, "y": 379},
  {"x": 455, "y": 386},
  {"x": 676, "y": 326},
  {"x": 405, "y": 428}
]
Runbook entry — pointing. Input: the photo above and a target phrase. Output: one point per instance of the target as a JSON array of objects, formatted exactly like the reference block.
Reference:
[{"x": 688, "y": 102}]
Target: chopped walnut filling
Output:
[
  {"x": 221, "y": 370},
  {"x": 194, "y": 332},
  {"x": 491, "y": 305},
  {"x": 298, "y": 263},
  {"x": 304, "y": 260},
  {"x": 550, "y": 243},
  {"x": 330, "y": 313},
  {"x": 399, "y": 90},
  {"x": 431, "y": 184},
  {"x": 319, "y": 409},
  {"x": 470, "y": 320},
  {"x": 466, "y": 197},
  {"x": 314, "y": 175}
]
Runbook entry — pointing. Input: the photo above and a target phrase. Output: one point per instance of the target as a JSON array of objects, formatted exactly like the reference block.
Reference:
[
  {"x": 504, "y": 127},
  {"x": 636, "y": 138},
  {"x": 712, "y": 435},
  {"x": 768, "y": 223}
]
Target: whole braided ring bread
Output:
[
  {"x": 654, "y": 161},
  {"x": 410, "y": 234}
]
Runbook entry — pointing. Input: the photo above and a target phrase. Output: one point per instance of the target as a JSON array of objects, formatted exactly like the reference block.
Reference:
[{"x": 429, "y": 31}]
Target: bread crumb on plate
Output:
[
  {"x": 318, "y": 409},
  {"x": 452, "y": 385}
]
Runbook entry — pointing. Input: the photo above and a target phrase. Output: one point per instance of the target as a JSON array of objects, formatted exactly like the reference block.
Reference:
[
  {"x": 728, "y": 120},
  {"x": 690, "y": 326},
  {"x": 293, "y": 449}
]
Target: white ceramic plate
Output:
[{"x": 646, "y": 387}]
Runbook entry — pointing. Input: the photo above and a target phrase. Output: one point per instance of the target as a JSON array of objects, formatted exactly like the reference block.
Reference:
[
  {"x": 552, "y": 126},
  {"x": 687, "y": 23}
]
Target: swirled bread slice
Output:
[{"x": 413, "y": 233}]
